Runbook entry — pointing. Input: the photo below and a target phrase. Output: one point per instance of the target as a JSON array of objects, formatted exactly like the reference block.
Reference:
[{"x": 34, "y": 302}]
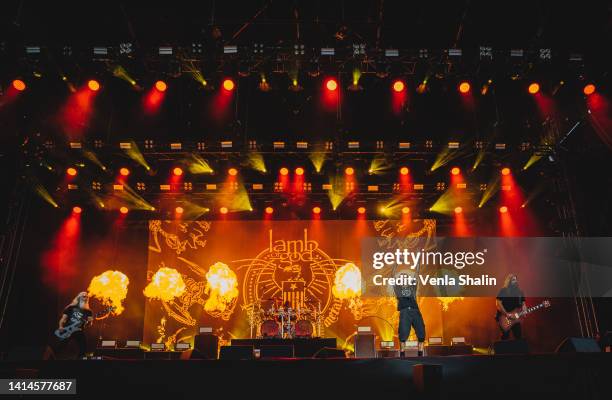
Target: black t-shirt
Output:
[
  {"x": 75, "y": 313},
  {"x": 510, "y": 299},
  {"x": 406, "y": 297}
]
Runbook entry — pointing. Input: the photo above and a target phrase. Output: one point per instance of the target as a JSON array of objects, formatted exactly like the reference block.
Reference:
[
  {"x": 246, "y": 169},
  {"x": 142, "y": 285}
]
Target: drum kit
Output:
[{"x": 271, "y": 318}]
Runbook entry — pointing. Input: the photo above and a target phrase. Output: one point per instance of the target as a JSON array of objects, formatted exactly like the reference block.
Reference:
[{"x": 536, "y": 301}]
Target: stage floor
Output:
[{"x": 575, "y": 376}]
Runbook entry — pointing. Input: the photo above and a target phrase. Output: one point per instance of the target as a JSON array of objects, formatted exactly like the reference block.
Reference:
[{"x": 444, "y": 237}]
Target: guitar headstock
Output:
[{"x": 546, "y": 303}]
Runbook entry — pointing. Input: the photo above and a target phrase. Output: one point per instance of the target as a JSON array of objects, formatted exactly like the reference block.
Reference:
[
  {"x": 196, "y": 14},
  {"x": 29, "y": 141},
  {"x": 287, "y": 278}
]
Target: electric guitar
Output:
[
  {"x": 68, "y": 330},
  {"x": 507, "y": 321}
]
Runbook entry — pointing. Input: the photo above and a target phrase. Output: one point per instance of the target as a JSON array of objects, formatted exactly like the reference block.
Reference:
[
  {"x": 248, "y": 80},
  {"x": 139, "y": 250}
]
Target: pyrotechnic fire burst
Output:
[
  {"x": 446, "y": 301},
  {"x": 166, "y": 284},
  {"x": 111, "y": 288},
  {"x": 347, "y": 282},
  {"x": 222, "y": 287}
]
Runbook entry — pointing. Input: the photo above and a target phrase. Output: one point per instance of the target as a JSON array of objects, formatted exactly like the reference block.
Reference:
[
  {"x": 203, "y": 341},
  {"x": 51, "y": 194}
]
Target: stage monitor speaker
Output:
[
  {"x": 427, "y": 379},
  {"x": 364, "y": 345},
  {"x": 272, "y": 351},
  {"x": 236, "y": 353},
  {"x": 329, "y": 352},
  {"x": 578, "y": 345},
  {"x": 519, "y": 346},
  {"x": 205, "y": 347}
]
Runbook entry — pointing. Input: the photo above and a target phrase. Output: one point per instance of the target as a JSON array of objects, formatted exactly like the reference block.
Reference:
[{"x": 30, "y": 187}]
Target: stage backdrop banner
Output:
[{"x": 219, "y": 274}]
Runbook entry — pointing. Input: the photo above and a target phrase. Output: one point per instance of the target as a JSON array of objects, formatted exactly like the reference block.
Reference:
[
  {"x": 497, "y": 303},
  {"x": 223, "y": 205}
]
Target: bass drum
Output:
[
  {"x": 303, "y": 329},
  {"x": 270, "y": 328}
]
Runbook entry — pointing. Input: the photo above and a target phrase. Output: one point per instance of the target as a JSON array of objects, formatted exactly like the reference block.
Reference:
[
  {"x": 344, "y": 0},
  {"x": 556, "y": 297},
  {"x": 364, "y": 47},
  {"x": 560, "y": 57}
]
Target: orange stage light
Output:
[
  {"x": 232, "y": 171},
  {"x": 223, "y": 210},
  {"x": 458, "y": 210},
  {"x": 534, "y": 88},
  {"x": 77, "y": 210},
  {"x": 464, "y": 87},
  {"x": 589, "y": 89},
  {"x": 177, "y": 171},
  {"x": 179, "y": 210},
  {"x": 123, "y": 210},
  {"x": 269, "y": 210},
  {"x": 398, "y": 86},
  {"x": 284, "y": 171},
  {"x": 503, "y": 209},
  {"x": 316, "y": 210},
  {"x": 124, "y": 171},
  {"x": 19, "y": 85},
  {"x": 349, "y": 171},
  {"x": 228, "y": 85},
  {"x": 71, "y": 171},
  {"x": 361, "y": 210},
  {"x": 455, "y": 171},
  {"x": 299, "y": 171},
  {"x": 404, "y": 170},
  {"x": 93, "y": 85},
  {"x": 161, "y": 86},
  {"x": 331, "y": 85},
  {"x": 405, "y": 210},
  {"x": 505, "y": 171}
]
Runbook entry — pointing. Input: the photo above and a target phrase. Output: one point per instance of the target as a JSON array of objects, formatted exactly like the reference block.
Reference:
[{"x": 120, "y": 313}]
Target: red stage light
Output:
[
  {"x": 179, "y": 210},
  {"x": 316, "y": 210},
  {"x": 123, "y": 210},
  {"x": 124, "y": 171},
  {"x": 232, "y": 171},
  {"x": 349, "y": 171},
  {"x": 299, "y": 171},
  {"x": 503, "y": 209},
  {"x": 93, "y": 85},
  {"x": 177, "y": 171},
  {"x": 228, "y": 85},
  {"x": 405, "y": 210},
  {"x": 505, "y": 171},
  {"x": 223, "y": 210},
  {"x": 71, "y": 171},
  {"x": 404, "y": 170},
  {"x": 361, "y": 210},
  {"x": 534, "y": 88},
  {"x": 77, "y": 210},
  {"x": 398, "y": 86},
  {"x": 455, "y": 171},
  {"x": 284, "y": 171},
  {"x": 331, "y": 85},
  {"x": 161, "y": 86},
  {"x": 19, "y": 85},
  {"x": 589, "y": 89},
  {"x": 464, "y": 87},
  {"x": 269, "y": 210},
  {"x": 458, "y": 210}
]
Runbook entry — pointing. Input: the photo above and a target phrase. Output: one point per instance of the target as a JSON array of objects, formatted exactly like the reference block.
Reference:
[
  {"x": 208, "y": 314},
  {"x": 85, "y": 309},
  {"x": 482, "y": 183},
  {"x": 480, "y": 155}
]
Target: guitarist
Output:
[
  {"x": 509, "y": 298},
  {"x": 78, "y": 311}
]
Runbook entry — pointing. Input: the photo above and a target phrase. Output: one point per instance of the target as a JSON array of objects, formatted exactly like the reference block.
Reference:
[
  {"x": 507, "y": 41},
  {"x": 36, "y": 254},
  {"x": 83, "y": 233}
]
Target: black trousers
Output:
[
  {"x": 411, "y": 318},
  {"x": 517, "y": 332},
  {"x": 65, "y": 348}
]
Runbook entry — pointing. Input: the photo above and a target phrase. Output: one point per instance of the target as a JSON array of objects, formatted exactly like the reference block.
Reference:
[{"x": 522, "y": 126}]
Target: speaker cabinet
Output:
[
  {"x": 578, "y": 345},
  {"x": 205, "y": 347},
  {"x": 364, "y": 345}
]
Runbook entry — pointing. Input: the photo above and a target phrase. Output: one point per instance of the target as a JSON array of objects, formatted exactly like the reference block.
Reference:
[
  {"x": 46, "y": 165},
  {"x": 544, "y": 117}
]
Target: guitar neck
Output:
[{"x": 532, "y": 309}]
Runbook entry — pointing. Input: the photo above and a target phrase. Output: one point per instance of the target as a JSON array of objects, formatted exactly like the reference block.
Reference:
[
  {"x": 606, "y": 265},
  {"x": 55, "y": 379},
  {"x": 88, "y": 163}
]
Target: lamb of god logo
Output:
[{"x": 296, "y": 271}]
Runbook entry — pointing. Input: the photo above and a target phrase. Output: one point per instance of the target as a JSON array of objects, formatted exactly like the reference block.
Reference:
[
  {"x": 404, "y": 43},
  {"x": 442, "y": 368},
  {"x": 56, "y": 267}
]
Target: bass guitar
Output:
[{"x": 67, "y": 331}]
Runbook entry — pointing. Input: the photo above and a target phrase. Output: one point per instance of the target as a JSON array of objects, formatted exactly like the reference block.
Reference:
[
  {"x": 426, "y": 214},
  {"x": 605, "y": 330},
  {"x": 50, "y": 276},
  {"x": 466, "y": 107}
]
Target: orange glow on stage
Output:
[
  {"x": 77, "y": 210},
  {"x": 229, "y": 85},
  {"x": 93, "y": 85},
  {"x": 71, "y": 171},
  {"x": 60, "y": 260},
  {"x": 534, "y": 88},
  {"x": 505, "y": 171},
  {"x": 406, "y": 210},
  {"x": 232, "y": 172},
  {"x": 460, "y": 224},
  {"x": 458, "y": 210},
  {"x": 299, "y": 171},
  {"x": 124, "y": 210},
  {"x": 361, "y": 210},
  {"x": 177, "y": 171},
  {"x": 464, "y": 87},
  {"x": 223, "y": 210},
  {"x": 455, "y": 171},
  {"x": 331, "y": 85},
  {"x": 269, "y": 210},
  {"x": 316, "y": 210},
  {"x": 503, "y": 209},
  {"x": 19, "y": 85},
  {"x": 404, "y": 170},
  {"x": 77, "y": 111},
  {"x": 399, "y": 86},
  {"x": 124, "y": 171},
  {"x": 161, "y": 86},
  {"x": 179, "y": 210},
  {"x": 589, "y": 89},
  {"x": 284, "y": 171},
  {"x": 349, "y": 171}
]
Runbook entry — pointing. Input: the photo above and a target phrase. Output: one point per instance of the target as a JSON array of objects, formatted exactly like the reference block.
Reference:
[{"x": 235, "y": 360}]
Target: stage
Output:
[{"x": 571, "y": 376}]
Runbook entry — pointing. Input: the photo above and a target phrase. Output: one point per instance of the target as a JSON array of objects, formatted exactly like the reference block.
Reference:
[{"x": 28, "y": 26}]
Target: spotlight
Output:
[
  {"x": 455, "y": 171},
  {"x": 77, "y": 210},
  {"x": 588, "y": 89},
  {"x": 458, "y": 210},
  {"x": 503, "y": 209},
  {"x": 123, "y": 210},
  {"x": 177, "y": 171},
  {"x": 404, "y": 170},
  {"x": 316, "y": 210},
  {"x": 361, "y": 210},
  {"x": 269, "y": 210},
  {"x": 349, "y": 171},
  {"x": 124, "y": 171},
  {"x": 299, "y": 171},
  {"x": 93, "y": 85},
  {"x": 71, "y": 171},
  {"x": 464, "y": 87},
  {"x": 223, "y": 210},
  {"x": 331, "y": 85},
  {"x": 398, "y": 86},
  {"x": 505, "y": 171},
  {"x": 179, "y": 210},
  {"x": 232, "y": 171},
  {"x": 405, "y": 210},
  {"x": 161, "y": 86},
  {"x": 19, "y": 85},
  {"x": 534, "y": 88},
  {"x": 284, "y": 171},
  {"x": 228, "y": 85}
]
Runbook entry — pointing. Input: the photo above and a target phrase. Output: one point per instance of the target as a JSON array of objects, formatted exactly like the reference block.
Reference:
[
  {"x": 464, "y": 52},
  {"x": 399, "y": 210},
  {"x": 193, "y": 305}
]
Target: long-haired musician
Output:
[
  {"x": 76, "y": 312},
  {"x": 510, "y": 298}
]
